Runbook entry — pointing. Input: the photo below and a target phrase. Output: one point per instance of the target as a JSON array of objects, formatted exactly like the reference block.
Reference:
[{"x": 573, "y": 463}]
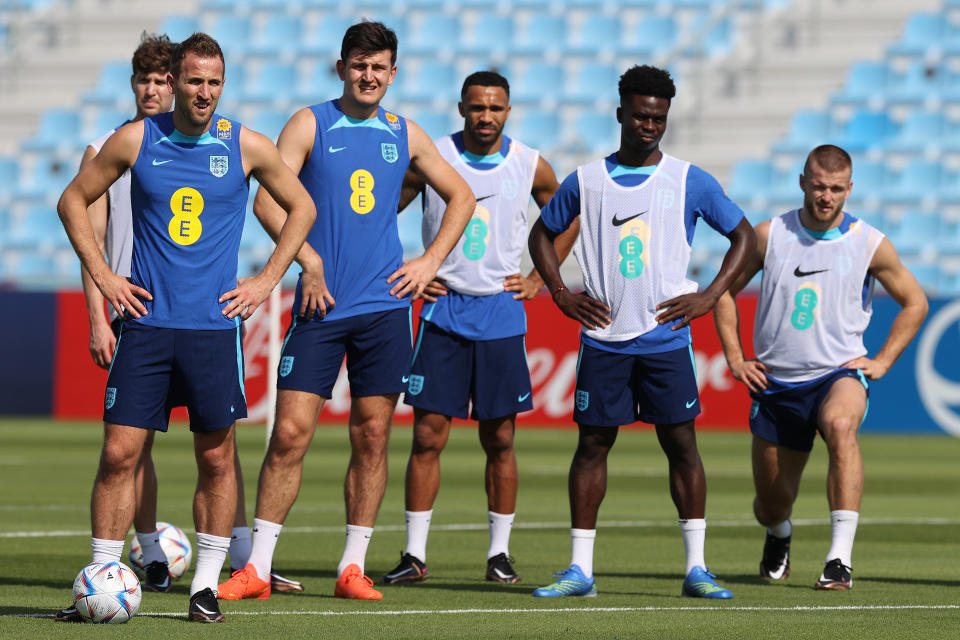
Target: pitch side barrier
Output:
[{"x": 47, "y": 369}]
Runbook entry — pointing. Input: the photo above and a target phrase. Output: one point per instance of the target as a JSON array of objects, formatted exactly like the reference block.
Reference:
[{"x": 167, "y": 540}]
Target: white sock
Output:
[
  {"x": 240, "y": 545},
  {"x": 265, "y": 535},
  {"x": 211, "y": 552},
  {"x": 355, "y": 548},
  {"x": 782, "y": 530},
  {"x": 150, "y": 545},
  {"x": 106, "y": 550},
  {"x": 581, "y": 549},
  {"x": 844, "y": 527},
  {"x": 694, "y": 532},
  {"x": 500, "y": 526},
  {"x": 418, "y": 526}
]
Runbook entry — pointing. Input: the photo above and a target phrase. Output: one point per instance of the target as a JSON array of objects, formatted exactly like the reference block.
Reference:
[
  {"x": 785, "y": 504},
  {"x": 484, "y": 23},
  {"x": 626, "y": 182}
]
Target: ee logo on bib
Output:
[
  {"x": 186, "y": 204},
  {"x": 361, "y": 191}
]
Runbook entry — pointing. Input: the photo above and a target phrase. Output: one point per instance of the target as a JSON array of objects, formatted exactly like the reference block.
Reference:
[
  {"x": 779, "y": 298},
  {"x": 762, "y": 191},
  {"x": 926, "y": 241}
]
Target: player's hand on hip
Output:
[
  {"x": 123, "y": 294},
  {"x": 589, "y": 312},
  {"x": 527, "y": 289},
  {"x": 752, "y": 373},
  {"x": 433, "y": 289},
  {"x": 873, "y": 369},
  {"x": 315, "y": 297},
  {"x": 102, "y": 344},
  {"x": 413, "y": 277},
  {"x": 686, "y": 308},
  {"x": 244, "y": 300}
]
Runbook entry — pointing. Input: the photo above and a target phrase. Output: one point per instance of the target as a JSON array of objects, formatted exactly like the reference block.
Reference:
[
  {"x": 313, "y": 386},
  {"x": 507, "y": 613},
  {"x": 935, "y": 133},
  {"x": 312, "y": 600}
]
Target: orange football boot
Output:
[
  {"x": 356, "y": 586},
  {"x": 244, "y": 583}
]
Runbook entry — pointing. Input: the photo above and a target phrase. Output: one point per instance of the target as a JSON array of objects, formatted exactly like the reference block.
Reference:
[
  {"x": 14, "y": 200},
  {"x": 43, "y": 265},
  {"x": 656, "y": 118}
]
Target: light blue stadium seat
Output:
[
  {"x": 46, "y": 179},
  {"x": 867, "y": 80},
  {"x": 109, "y": 118},
  {"x": 920, "y": 83},
  {"x": 435, "y": 33},
  {"x": 785, "y": 183},
  {"x": 489, "y": 34},
  {"x": 654, "y": 34},
  {"x": 809, "y": 128},
  {"x": 409, "y": 224},
  {"x": 281, "y": 34},
  {"x": 598, "y": 33},
  {"x": 921, "y": 130},
  {"x": 948, "y": 237},
  {"x": 9, "y": 175},
  {"x": 867, "y": 129},
  {"x": 274, "y": 81},
  {"x": 321, "y": 84},
  {"x": 431, "y": 80},
  {"x": 537, "y": 81},
  {"x": 596, "y": 132},
  {"x": 113, "y": 85},
  {"x": 35, "y": 267},
  {"x": 922, "y": 31},
  {"x": 58, "y": 128},
  {"x": 709, "y": 35},
  {"x": 926, "y": 273},
  {"x": 39, "y": 227},
  {"x": 233, "y": 33},
  {"x": 919, "y": 180},
  {"x": 179, "y": 28},
  {"x": 270, "y": 122},
  {"x": 914, "y": 231},
  {"x": 435, "y": 123},
  {"x": 325, "y": 37},
  {"x": 751, "y": 178},
  {"x": 593, "y": 81},
  {"x": 541, "y": 34},
  {"x": 540, "y": 129}
]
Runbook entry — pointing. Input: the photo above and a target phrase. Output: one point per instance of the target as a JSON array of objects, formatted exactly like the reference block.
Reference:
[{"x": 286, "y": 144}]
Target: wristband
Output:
[{"x": 556, "y": 291}]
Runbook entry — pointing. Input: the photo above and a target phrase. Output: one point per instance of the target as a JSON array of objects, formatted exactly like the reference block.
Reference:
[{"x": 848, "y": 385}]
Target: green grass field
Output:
[{"x": 906, "y": 581}]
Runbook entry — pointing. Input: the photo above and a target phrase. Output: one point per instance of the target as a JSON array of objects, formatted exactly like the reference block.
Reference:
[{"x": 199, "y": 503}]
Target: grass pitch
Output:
[{"x": 906, "y": 583}]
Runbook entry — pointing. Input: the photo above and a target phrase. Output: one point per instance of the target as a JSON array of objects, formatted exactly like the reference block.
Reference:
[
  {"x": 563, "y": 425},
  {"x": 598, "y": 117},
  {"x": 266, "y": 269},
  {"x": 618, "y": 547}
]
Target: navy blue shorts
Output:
[
  {"x": 789, "y": 415},
  {"x": 449, "y": 370},
  {"x": 155, "y": 369},
  {"x": 377, "y": 346},
  {"x": 621, "y": 388}
]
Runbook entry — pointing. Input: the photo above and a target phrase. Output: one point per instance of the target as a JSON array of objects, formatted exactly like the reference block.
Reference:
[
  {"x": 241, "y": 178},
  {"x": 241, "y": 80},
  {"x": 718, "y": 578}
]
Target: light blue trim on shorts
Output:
[
  {"x": 693, "y": 360},
  {"x": 243, "y": 389},
  {"x": 116, "y": 348},
  {"x": 579, "y": 358},
  {"x": 416, "y": 349},
  {"x": 286, "y": 339},
  {"x": 866, "y": 385}
]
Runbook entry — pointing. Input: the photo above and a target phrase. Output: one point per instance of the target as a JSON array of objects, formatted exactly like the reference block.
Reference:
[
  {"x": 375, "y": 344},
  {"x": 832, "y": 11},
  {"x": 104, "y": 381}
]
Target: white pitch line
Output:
[
  {"x": 179, "y": 614},
  {"x": 613, "y": 524}
]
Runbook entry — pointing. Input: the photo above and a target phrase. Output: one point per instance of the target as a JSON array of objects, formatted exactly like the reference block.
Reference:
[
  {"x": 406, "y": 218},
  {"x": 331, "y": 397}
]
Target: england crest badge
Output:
[
  {"x": 219, "y": 165},
  {"x": 389, "y": 152},
  {"x": 286, "y": 366},
  {"x": 583, "y": 400},
  {"x": 416, "y": 385},
  {"x": 110, "y": 397}
]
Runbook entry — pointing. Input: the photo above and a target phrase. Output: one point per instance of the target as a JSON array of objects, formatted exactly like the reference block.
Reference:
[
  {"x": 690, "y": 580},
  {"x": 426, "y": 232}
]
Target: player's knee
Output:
[
  {"x": 841, "y": 430},
  {"x": 771, "y": 509},
  {"x": 498, "y": 444},
  {"x": 370, "y": 439},
  {"x": 290, "y": 439},
  {"x": 216, "y": 461}
]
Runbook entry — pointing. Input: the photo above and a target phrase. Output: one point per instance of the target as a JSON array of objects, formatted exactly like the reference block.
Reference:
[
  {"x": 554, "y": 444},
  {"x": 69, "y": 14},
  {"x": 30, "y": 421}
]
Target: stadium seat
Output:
[
  {"x": 595, "y": 132},
  {"x": 914, "y": 231},
  {"x": 9, "y": 176},
  {"x": 39, "y": 227},
  {"x": 324, "y": 37},
  {"x": 922, "y": 31},
  {"x": 919, "y": 84},
  {"x": 232, "y": 32},
  {"x": 918, "y": 181},
  {"x": 655, "y": 34},
  {"x": 598, "y": 33},
  {"x": 434, "y": 33},
  {"x": 541, "y": 33},
  {"x": 409, "y": 224},
  {"x": 58, "y": 129},
  {"x": 593, "y": 81},
  {"x": 430, "y": 81},
  {"x": 113, "y": 85},
  {"x": 320, "y": 84},
  {"x": 708, "y": 35},
  {"x": 537, "y": 81},
  {"x": 270, "y": 122},
  {"x": 927, "y": 273},
  {"x": 273, "y": 83},
  {"x": 866, "y": 81},
  {"x": 869, "y": 177},
  {"x": 46, "y": 179},
  {"x": 539, "y": 129},
  {"x": 435, "y": 123},
  {"x": 867, "y": 129},
  {"x": 921, "y": 130},
  {"x": 179, "y": 28},
  {"x": 490, "y": 35},
  {"x": 36, "y": 268},
  {"x": 750, "y": 179},
  {"x": 107, "y": 119},
  {"x": 808, "y": 129},
  {"x": 280, "y": 35}
]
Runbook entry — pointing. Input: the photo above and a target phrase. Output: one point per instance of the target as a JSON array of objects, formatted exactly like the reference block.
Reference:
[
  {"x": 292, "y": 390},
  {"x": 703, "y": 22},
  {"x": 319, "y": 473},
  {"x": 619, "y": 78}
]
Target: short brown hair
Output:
[
  {"x": 369, "y": 37},
  {"x": 830, "y": 158},
  {"x": 153, "y": 54},
  {"x": 199, "y": 44}
]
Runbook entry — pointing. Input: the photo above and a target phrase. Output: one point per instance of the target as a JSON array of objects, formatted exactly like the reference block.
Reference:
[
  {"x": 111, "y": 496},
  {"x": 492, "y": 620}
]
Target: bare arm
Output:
[
  {"x": 99, "y": 172},
  {"x": 294, "y": 145},
  {"x": 412, "y": 187},
  {"x": 544, "y": 186},
  {"x": 588, "y": 312},
  {"x": 726, "y": 318},
  {"x": 262, "y": 159},
  {"x": 743, "y": 242},
  {"x": 902, "y": 287},
  {"x": 426, "y": 161},
  {"x": 102, "y": 341}
]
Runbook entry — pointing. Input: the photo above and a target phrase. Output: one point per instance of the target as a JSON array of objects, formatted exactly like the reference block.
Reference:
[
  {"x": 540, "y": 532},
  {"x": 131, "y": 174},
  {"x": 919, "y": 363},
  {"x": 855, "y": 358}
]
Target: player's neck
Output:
[
  {"x": 811, "y": 223},
  {"x": 187, "y": 128},
  {"x": 474, "y": 147},
  {"x": 638, "y": 157},
  {"x": 357, "y": 111}
]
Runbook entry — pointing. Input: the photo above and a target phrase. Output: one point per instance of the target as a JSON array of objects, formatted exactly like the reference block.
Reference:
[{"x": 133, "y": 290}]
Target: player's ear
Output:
[
  {"x": 506, "y": 113},
  {"x": 460, "y": 108},
  {"x": 170, "y": 82},
  {"x": 803, "y": 183},
  {"x": 620, "y": 115},
  {"x": 341, "y": 69}
]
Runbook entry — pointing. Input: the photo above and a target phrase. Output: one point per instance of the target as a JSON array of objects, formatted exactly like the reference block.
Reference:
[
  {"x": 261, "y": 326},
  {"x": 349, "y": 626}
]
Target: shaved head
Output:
[{"x": 830, "y": 158}]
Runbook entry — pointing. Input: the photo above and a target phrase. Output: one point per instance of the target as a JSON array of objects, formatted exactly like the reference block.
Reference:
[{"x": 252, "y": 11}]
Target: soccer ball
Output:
[
  {"x": 175, "y": 545},
  {"x": 107, "y": 592}
]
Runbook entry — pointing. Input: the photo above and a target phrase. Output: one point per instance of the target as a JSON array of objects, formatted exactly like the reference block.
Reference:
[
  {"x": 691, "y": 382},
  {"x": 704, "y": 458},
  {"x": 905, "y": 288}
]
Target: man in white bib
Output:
[
  {"x": 638, "y": 209},
  {"x": 811, "y": 369}
]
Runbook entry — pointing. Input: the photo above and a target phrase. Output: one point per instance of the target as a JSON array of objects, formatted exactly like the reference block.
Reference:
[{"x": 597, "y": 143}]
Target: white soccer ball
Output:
[
  {"x": 107, "y": 592},
  {"x": 175, "y": 545}
]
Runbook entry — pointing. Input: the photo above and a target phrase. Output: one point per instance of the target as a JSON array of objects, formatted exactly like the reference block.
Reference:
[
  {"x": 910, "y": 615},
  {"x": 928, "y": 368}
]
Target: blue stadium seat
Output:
[
  {"x": 113, "y": 85},
  {"x": 921, "y": 130},
  {"x": 325, "y": 37},
  {"x": 593, "y": 81},
  {"x": 280, "y": 35},
  {"x": 913, "y": 231},
  {"x": 46, "y": 179},
  {"x": 179, "y": 28},
  {"x": 320, "y": 84},
  {"x": 270, "y": 122},
  {"x": 436, "y": 32},
  {"x": 541, "y": 34},
  {"x": 918, "y": 181},
  {"x": 537, "y": 81},
  {"x": 926, "y": 273},
  {"x": 922, "y": 31},
  {"x": 232, "y": 32},
  {"x": 867, "y": 129},
  {"x": 808, "y": 129},
  {"x": 539, "y": 129},
  {"x": 490, "y": 34},
  {"x": 709, "y": 35},
  {"x": 435, "y": 123},
  {"x": 595, "y": 132},
  {"x": 598, "y": 33},
  {"x": 274, "y": 82},
  {"x": 58, "y": 129},
  {"x": 39, "y": 227},
  {"x": 107, "y": 119},
  {"x": 920, "y": 83},
  {"x": 866, "y": 81},
  {"x": 35, "y": 267},
  {"x": 409, "y": 224},
  {"x": 655, "y": 34},
  {"x": 750, "y": 179},
  {"x": 9, "y": 176},
  {"x": 433, "y": 79}
]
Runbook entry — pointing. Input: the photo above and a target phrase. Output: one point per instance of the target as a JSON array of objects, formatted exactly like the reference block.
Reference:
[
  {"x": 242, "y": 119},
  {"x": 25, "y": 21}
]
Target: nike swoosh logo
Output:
[
  {"x": 619, "y": 221},
  {"x": 157, "y": 163},
  {"x": 404, "y": 378},
  {"x": 199, "y": 606},
  {"x": 804, "y": 274},
  {"x": 333, "y": 149},
  {"x": 523, "y": 397},
  {"x": 691, "y": 403},
  {"x": 501, "y": 573},
  {"x": 485, "y": 197}
]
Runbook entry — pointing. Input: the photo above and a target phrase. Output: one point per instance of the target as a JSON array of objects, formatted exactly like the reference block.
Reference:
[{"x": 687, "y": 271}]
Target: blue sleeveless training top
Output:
[
  {"x": 354, "y": 174},
  {"x": 188, "y": 196}
]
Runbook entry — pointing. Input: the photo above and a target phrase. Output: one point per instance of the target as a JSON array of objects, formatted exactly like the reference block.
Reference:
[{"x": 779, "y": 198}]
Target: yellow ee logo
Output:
[
  {"x": 361, "y": 191},
  {"x": 186, "y": 204}
]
